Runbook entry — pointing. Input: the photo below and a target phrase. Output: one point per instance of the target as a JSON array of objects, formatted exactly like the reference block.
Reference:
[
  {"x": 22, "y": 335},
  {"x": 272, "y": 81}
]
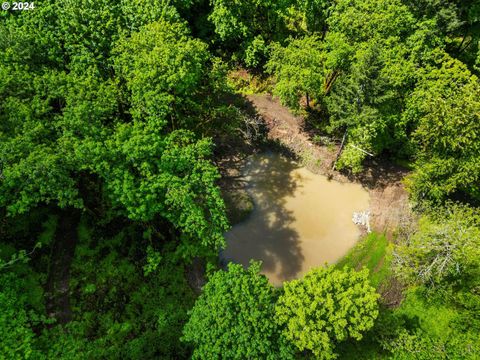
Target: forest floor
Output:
[
  {"x": 58, "y": 289},
  {"x": 383, "y": 180}
]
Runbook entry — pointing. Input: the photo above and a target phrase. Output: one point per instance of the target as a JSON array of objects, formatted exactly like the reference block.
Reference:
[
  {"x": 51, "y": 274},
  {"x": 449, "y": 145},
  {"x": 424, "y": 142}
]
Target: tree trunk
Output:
[
  {"x": 340, "y": 151},
  {"x": 329, "y": 80}
]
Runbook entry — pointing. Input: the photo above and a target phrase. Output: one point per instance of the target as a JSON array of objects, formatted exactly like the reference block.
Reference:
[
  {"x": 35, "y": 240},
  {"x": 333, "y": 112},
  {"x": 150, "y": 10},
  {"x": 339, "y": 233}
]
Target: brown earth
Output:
[
  {"x": 389, "y": 199},
  {"x": 389, "y": 206}
]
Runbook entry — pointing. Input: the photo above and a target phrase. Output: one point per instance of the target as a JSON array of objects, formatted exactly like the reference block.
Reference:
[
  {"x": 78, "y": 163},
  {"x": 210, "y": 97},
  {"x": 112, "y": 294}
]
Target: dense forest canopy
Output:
[{"x": 113, "y": 118}]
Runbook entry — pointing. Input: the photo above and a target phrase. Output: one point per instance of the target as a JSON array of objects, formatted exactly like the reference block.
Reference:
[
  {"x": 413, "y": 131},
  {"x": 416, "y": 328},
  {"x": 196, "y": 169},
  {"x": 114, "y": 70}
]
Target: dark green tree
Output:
[
  {"x": 84, "y": 111},
  {"x": 373, "y": 50},
  {"x": 240, "y": 25},
  {"x": 298, "y": 70},
  {"x": 445, "y": 108},
  {"x": 234, "y": 318}
]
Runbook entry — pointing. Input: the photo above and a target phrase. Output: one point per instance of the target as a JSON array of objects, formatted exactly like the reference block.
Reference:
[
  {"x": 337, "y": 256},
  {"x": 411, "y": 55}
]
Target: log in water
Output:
[{"x": 301, "y": 220}]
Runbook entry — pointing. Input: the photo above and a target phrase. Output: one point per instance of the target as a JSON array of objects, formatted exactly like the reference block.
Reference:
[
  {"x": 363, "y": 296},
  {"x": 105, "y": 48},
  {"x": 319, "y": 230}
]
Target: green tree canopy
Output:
[
  {"x": 109, "y": 109},
  {"x": 446, "y": 107},
  {"x": 21, "y": 307},
  {"x": 325, "y": 307},
  {"x": 162, "y": 67},
  {"x": 234, "y": 318},
  {"x": 298, "y": 69},
  {"x": 369, "y": 68},
  {"x": 444, "y": 249},
  {"x": 239, "y": 23}
]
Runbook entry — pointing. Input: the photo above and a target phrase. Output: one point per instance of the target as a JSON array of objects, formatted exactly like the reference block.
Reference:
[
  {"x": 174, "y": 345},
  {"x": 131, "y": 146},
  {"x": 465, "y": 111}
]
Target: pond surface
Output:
[{"x": 301, "y": 220}]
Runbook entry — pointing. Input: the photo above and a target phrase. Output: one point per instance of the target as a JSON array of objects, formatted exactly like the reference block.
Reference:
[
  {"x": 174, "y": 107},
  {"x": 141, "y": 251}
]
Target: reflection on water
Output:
[{"x": 301, "y": 220}]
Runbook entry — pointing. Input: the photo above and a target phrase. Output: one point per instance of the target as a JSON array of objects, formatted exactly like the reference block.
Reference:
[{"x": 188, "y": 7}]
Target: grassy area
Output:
[{"x": 370, "y": 252}]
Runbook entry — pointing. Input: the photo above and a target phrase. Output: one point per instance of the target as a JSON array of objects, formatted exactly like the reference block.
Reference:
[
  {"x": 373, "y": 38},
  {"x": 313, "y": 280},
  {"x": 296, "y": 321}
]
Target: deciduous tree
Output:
[
  {"x": 326, "y": 307},
  {"x": 298, "y": 69},
  {"x": 234, "y": 318},
  {"x": 444, "y": 248},
  {"x": 445, "y": 107}
]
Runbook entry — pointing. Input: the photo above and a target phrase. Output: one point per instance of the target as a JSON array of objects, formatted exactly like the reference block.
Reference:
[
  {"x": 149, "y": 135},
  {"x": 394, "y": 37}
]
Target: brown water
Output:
[{"x": 301, "y": 220}]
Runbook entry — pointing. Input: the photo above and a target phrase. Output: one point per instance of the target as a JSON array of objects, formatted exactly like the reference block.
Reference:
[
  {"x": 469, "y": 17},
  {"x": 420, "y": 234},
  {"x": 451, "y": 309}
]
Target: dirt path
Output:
[
  {"x": 389, "y": 200},
  {"x": 58, "y": 297}
]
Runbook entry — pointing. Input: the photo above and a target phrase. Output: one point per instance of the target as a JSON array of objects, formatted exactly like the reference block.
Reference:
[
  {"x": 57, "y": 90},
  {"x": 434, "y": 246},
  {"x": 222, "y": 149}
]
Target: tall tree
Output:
[
  {"x": 325, "y": 307},
  {"x": 78, "y": 109},
  {"x": 369, "y": 68},
  {"x": 234, "y": 318},
  {"x": 444, "y": 249},
  {"x": 446, "y": 107},
  {"x": 239, "y": 23},
  {"x": 298, "y": 69}
]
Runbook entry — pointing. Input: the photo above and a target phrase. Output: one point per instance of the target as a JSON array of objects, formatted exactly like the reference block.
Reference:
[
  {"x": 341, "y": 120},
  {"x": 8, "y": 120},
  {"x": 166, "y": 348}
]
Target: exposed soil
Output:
[
  {"x": 389, "y": 200},
  {"x": 391, "y": 292},
  {"x": 289, "y": 134}
]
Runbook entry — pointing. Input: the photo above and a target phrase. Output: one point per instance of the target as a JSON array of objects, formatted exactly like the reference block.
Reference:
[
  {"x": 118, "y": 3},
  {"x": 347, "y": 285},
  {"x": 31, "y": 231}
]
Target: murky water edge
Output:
[{"x": 301, "y": 220}]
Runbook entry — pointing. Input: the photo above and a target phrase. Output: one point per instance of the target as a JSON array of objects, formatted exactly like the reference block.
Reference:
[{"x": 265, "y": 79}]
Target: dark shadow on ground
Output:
[
  {"x": 378, "y": 173},
  {"x": 58, "y": 288},
  {"x": 268, "y": 234}
]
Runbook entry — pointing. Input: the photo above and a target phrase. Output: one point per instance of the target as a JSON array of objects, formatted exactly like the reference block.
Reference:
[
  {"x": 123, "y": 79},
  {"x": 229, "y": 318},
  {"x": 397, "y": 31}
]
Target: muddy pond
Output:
[{"x": 300, "y": 220}]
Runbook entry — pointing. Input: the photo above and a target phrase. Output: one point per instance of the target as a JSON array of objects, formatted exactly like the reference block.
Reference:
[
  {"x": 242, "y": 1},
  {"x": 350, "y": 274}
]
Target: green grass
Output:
[
  {"x": 434, "y": 317},
  {"x": 371, "y": 252}
]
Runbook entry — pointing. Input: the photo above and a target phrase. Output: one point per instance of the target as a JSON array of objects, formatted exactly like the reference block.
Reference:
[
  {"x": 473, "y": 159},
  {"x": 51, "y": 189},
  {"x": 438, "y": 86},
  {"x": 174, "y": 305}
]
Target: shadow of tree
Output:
[
  {"x": 268, "y": 234},
  {"x": 378, "y": 173}
]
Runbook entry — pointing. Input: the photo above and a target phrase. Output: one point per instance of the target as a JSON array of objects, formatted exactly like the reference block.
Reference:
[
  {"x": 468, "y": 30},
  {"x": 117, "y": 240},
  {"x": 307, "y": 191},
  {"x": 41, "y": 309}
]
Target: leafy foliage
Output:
[
  {"x": 119, "y": 311},
  {"x": 426, "y": 327},
  {"x": 122, "y": 127},
  {"x": 445, "y": 248},
  {"x": 326, "y": 307},
  {"x": 21, "y": 310},
  {"x": 241, "y": 24},
  {"x": 162, "y": 68},
  {"x": 446, "y": 106},
  {"x": 234, "y": 318},
  {"x": 115, "y": 108},
  {"x": 368, "y": 83},
  {"x": 439, "y": 317},
  {"x": 298, "y": 69}
]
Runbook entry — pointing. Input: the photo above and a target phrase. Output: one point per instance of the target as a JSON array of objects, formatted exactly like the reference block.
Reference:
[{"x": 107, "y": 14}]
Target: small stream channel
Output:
[{"x": 300, "y": 220}]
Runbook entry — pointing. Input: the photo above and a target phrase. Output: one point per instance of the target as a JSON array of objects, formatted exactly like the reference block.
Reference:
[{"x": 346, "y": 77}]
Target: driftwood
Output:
[
  {"x": 365, "y": 152},
  {"x": 362, "y": 218}
]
